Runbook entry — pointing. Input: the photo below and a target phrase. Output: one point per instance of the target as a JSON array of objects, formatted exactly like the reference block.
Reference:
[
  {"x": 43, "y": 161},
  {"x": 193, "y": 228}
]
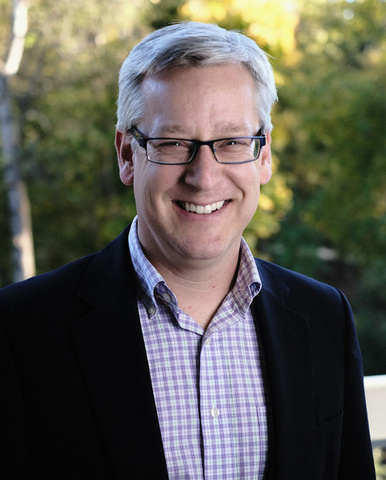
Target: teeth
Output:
[{"x": 203, "y": 210}]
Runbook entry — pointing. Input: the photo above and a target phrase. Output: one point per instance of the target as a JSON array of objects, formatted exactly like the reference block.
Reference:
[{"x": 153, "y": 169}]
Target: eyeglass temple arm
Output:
[{"x": 138, "y": 137}]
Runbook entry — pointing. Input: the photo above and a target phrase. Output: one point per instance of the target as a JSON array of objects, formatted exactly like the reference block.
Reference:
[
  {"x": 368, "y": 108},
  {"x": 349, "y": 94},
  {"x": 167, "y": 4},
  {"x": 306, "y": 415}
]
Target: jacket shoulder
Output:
[
  {"x": 67, "y": 291},
  {"x": 300, "y": 291},
  {"x": 291, "y": 277},
  {"x": 45, "y": 292}
]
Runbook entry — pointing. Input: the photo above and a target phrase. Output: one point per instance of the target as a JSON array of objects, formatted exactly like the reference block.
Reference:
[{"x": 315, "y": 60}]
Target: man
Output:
[{"x": 172, "y": 353}]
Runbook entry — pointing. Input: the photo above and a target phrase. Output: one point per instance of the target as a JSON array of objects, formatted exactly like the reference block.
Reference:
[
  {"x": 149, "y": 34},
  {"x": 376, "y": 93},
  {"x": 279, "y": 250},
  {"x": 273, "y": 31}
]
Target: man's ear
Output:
[
  {"x": 266, "y": 161},
  {"x": 125, "y": 157}
]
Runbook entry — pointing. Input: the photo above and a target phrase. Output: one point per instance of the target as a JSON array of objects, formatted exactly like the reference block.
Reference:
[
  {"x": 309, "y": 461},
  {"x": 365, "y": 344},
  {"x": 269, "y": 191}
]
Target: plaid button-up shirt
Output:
[{"x": 207, "y": 384}]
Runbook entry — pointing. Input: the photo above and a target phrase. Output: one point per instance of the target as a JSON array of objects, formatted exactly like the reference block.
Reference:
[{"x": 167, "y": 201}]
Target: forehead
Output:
[
  {"x": 215, "y": 96},
  {"x": 204, "y": 74}
]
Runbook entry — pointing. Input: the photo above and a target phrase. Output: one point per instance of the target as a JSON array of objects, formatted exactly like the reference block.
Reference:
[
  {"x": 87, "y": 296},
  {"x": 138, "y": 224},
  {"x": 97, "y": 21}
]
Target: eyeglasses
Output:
[{"x": 180, "y": 151}]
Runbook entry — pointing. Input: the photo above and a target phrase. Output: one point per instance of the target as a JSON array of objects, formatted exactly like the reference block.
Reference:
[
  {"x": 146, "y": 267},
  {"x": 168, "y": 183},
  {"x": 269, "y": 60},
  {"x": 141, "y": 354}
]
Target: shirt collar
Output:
[
  {"x": 149, "y": 281},
  {"x": 148, "y": 277},
  {"x": 248, "y": 282}
]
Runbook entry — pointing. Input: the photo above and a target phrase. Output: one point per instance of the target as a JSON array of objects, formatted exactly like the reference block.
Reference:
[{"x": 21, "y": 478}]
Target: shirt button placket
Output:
[{"x": 208, "y": 407}]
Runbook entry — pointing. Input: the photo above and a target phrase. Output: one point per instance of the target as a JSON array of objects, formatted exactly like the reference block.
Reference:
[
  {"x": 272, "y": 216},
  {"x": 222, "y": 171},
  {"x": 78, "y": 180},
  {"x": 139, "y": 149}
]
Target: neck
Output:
[{"x": 201, "y": 289}]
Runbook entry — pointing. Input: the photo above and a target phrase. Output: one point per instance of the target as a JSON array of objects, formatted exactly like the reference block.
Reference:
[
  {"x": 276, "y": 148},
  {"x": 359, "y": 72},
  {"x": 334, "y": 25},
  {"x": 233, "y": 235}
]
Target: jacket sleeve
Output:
[
  {"x": 356, "y": 459},
  {"x": 11, "y": 417}
]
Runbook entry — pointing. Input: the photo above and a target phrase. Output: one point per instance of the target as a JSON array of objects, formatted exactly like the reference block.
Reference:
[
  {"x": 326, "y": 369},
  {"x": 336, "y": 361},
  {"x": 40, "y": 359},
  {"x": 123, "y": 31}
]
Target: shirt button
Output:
[
  {"x": 167, "y": 297},
  {"x": 151, "y": 310},
  {"x": 214, "y": 412}
]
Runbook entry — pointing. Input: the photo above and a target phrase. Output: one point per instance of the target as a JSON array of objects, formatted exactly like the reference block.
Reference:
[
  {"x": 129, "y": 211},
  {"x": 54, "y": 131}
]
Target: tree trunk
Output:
[
  {"x": 18, "y": 202},
  {"x": 19, "y": 207}
]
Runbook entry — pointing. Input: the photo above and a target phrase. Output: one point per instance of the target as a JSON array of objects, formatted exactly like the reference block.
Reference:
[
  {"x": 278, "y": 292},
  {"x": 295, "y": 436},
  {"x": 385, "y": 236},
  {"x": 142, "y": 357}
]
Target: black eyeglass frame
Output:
[{"x": 142, "y": 141}]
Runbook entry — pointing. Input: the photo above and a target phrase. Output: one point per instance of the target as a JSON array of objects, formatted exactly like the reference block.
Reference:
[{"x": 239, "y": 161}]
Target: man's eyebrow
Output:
[
  {"x": 171, "y": 130},
  {"x": 224, "y": 130},
  {"x": 233, "y": 129}
]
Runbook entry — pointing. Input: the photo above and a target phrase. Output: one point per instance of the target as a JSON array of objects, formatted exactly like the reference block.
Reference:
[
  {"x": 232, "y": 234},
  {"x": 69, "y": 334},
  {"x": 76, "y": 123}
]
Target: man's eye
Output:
[
  {"x": 233, "y": 142},
  {"x": 170, "y": 144}
]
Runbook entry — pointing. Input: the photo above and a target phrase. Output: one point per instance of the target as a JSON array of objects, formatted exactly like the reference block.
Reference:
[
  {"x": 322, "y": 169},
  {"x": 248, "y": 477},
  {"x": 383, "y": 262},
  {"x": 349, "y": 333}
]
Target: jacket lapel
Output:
[
  {"x": 286, "y": 351},
  {"x": 113, "y": 360}
]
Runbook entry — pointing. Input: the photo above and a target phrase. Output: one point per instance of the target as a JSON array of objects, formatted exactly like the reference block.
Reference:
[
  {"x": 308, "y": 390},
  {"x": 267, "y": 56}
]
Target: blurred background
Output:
[{"x": 323, "y": 213}]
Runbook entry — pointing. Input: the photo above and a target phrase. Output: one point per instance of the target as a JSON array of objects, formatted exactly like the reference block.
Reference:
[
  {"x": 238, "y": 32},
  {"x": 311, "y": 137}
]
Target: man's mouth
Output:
[{"x": 201, "y": 209}]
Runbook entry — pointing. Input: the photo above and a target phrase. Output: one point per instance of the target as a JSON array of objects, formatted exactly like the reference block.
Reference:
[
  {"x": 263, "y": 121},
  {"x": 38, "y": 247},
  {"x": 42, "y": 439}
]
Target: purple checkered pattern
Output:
[{"x": 207, "y": 384}]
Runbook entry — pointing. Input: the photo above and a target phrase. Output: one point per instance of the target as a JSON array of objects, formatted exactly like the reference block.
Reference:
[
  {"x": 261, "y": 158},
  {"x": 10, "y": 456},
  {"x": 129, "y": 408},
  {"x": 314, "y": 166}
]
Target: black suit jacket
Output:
[{"x": 77, "y": 399}]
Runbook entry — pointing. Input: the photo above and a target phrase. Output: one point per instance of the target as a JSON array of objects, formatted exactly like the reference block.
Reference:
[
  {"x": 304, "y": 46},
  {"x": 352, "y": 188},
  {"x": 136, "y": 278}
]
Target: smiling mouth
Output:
[{"x": 201, "y": 209}]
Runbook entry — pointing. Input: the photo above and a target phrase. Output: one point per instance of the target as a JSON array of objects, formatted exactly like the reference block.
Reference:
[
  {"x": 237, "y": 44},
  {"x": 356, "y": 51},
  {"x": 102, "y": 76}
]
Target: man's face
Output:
[{"x": 195, "y": 103}]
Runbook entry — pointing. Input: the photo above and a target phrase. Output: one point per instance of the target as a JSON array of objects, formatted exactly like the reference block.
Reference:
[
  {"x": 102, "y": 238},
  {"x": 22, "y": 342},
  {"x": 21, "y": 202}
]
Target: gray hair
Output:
[{"x": 192, "y": 44}]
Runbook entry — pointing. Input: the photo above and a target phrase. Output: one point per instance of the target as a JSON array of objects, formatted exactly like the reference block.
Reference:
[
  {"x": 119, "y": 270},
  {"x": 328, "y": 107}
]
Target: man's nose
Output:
[{"x": 203, "y": 171}]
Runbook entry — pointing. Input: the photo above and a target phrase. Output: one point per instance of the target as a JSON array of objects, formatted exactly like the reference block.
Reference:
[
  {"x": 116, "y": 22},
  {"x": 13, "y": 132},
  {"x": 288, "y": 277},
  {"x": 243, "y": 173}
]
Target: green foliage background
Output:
[{"x": 324, "y": 212}]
